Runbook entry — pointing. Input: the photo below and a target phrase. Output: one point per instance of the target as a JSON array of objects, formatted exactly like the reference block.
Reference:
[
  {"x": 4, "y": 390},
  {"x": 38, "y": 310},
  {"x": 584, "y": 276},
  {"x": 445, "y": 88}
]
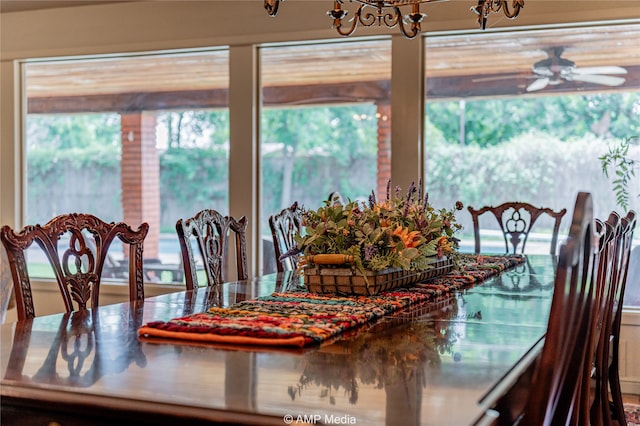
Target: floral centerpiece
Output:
[{"x": 401, "y": 232}]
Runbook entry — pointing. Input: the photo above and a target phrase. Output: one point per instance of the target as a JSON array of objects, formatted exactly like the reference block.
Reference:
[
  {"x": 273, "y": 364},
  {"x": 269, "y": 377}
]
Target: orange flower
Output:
[
  {"x": 384, "y": 205},
  {"x": 409, "y": 239},
  {"x": 444, "y": 246},
  {"x": 442, "y": 241}
]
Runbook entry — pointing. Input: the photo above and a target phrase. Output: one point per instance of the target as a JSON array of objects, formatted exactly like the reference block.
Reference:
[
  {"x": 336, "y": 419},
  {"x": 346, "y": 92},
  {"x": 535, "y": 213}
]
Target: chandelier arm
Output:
[
  {"x": 367, "y": 18},
  {"x": 338, "y": 14},
  {"x": 271, "y": 6},
  {"x": 516, "y": 6},
  {"x": 482, "y": 9},
  {"x": 392, "y": 19},
  {"x": 414, "y": 27}
]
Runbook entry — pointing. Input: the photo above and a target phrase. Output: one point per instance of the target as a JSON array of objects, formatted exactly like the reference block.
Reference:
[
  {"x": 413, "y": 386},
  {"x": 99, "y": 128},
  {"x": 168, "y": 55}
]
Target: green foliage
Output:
[
  {"x": 535, "y": 167},
  {"x": 78, "y": 131},
  {"x": 342, "y": 132},
  {"x": 195, "y": 129},
  {"x": 340, "y": 141},
  {"x": 617, "y": 158},
  {"x": 195, "y": 175},
  {"x": 495, "y": 121},
  {"x": 397, "y": 232}
]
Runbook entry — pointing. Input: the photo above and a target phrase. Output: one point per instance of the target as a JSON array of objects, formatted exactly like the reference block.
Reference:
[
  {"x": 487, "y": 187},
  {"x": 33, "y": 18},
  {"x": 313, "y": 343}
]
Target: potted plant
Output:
[{"x": 387, "y": 243}]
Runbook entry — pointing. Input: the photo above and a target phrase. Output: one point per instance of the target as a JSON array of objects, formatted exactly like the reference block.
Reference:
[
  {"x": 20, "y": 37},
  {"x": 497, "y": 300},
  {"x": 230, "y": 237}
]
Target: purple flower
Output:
[
  {"x": 405, "y": 211},
  {"x": 369, "y": 252},
  {"x": 412, "y": 188}
]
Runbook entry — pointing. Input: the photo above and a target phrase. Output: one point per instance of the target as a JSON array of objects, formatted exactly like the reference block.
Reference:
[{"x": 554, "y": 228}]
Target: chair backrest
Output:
[
  {"x": 607, "y": 234},
  {"x": 516, "y": 220},
  {"x": 628, "y": 224},
  {"x": 619, "y": 282},
  {"x": 284, "y": 226},
  {"x": 335, "y": 198},
  {"x": 555, "y": 394},
  {"x": 78, "y": 267},
  {"x": 211, "y": 231}
]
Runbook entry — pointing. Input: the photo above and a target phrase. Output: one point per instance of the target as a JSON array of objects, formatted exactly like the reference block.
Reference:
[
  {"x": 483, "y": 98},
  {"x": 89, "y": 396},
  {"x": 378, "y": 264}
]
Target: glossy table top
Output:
[{"x": 441, "y": 363}]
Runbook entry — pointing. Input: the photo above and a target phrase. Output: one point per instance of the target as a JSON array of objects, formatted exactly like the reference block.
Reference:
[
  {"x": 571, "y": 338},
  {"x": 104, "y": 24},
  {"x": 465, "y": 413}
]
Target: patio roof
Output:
[{"x": 491, "y": 64}]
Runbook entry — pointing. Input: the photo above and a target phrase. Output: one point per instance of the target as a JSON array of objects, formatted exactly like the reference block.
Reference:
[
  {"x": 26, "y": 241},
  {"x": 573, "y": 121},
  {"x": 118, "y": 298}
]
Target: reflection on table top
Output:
[{"x": 433, "y": 364}]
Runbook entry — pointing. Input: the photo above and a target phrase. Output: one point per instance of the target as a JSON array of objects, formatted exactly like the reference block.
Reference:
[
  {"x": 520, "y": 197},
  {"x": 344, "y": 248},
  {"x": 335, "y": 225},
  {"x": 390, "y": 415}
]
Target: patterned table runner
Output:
[{"x": 301, "y": 318}]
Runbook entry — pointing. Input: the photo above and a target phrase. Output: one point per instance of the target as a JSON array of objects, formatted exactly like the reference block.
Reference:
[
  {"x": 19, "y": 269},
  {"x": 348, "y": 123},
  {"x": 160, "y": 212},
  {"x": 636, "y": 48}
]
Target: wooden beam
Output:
[{"x": 363, "y": 91}]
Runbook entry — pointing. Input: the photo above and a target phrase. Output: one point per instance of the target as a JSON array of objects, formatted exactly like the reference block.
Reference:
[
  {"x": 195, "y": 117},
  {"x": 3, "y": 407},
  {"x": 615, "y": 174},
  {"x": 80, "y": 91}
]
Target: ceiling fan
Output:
[{"x": 555, "y": 70}]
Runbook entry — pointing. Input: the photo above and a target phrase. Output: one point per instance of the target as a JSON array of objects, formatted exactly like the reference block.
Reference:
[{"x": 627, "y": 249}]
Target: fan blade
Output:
[
  {"x": 606, "y": 80},
  {"x": 599, "y": 70},
  {"x": 539, "y": 84}
]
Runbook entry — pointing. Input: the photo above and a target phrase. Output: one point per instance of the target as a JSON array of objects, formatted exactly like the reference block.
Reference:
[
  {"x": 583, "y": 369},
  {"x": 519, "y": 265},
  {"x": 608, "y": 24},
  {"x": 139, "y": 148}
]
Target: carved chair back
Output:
[
  {"x": 209, "y": 231},
  {"x": 516, "y": 219},
  {"x": 284, "y": 226},
  {"x": 607, "y": 234},
  {"x": 78, "y": 267},
  {"x": 555, "y": 394},
  {"x": 619, "y": 282},
  {"x": 335, "y": 198}
]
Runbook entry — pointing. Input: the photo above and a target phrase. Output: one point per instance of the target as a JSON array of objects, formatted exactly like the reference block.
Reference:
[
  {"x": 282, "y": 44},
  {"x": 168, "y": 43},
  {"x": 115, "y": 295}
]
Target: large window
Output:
[
  {"x": 526, "y": 117},
  {"x": 134, "y": 139},
  {"x": 325, "y": 124}
]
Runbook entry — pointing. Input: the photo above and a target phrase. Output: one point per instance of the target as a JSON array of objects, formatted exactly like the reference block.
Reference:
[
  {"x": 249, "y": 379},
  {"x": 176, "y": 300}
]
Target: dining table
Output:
[{"x": 463, "y": 358}]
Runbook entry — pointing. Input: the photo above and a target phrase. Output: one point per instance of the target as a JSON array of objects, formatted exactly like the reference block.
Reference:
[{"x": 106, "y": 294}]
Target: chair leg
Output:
[
  {"x": 598, "y": 412},
  {"x": 617, "y": 409},
  {"x": 605, "y": 409}
]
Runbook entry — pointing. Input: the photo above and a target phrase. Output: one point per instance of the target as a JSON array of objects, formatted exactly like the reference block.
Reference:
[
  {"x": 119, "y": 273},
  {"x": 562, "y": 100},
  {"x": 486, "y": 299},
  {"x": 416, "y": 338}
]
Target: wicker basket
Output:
[{"x": 320, "y": 278}]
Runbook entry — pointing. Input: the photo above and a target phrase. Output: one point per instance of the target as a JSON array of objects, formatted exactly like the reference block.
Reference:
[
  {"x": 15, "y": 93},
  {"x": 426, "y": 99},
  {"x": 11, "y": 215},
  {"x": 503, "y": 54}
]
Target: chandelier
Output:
[
  {"x": 388, "y": 13},
  {"x": 485, "y": 7}
]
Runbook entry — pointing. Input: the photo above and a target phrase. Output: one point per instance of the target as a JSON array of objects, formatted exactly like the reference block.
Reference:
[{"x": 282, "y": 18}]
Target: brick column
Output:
[
  {"x": 141, "y": 176},
  {"x": 384, "y": 149}
]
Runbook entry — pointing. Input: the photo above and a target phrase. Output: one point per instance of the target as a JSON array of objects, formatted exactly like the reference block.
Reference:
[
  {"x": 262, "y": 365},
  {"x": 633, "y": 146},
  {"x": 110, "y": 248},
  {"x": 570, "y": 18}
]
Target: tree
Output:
[
  {"x": 494, "y": 121},
  {"x": 56, "y": 131}
]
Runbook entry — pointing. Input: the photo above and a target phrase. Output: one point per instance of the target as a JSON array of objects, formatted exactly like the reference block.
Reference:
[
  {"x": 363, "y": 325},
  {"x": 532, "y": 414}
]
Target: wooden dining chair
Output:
[
  {"x": 77, "y": 268},
  {"x": 284, "y": 227},
  {"x": 210, "y": 231},
  {"x": 555, "y": 393},
  {"x": 516, "y": 219},
  {"x": 628, "y": 224},
  {"x": 335, "y": 198},
  {"x": 607, "y": 233}
]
